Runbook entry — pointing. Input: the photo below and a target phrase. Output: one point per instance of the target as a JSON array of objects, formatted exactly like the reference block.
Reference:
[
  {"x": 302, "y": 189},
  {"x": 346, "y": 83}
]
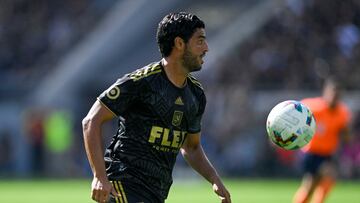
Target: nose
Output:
[{"x": 206, "y": 49}]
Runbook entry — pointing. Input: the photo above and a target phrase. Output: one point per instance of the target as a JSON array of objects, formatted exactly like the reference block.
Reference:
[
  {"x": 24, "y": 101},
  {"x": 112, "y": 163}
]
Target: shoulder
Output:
[
  {"x": 314, "y": 103},
  {"x": 145, "y": 72},
  {"x": 196, "y": 88},
  {"x": 136, "y": 80},
  {"x": 195, "y": 84}
]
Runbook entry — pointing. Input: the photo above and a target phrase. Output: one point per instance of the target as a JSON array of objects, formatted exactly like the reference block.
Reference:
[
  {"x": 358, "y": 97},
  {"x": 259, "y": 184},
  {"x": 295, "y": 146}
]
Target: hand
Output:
[
  {"x": 101, "y": 189},
  {"x": 221, "y": 191}
]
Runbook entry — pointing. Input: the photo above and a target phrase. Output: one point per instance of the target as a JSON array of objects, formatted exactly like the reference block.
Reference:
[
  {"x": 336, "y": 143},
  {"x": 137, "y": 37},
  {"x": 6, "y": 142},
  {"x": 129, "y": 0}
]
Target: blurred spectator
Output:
[
  {"x": 5, "y": 159},
  {"x": 34, "y": 130},
  {"x": 348, "y": 36},
  {"x": 284, "y": 54},
  {"x": 58, "y": 127},
  {"x": 35, "y": 34}
]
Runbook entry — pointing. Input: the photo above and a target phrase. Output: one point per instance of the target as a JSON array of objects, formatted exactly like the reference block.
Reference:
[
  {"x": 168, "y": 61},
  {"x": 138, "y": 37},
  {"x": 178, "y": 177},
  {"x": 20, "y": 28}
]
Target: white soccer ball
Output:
[{"x": 290, "y": 125}]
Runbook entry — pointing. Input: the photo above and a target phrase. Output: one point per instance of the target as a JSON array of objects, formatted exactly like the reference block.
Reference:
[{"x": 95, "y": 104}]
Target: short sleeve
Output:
[
  {"x": 195, "y": 124},
  {"x": 120, "y": 95}
]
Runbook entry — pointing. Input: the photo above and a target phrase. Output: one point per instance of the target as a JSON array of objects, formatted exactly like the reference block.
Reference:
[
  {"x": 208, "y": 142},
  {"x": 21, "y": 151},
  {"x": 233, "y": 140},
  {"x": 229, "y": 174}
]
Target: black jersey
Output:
[{"x": 154, "y": 119}]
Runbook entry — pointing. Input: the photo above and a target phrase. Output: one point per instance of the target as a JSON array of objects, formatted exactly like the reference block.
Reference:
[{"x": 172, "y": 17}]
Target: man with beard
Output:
[{"x": 159, "y": 107}]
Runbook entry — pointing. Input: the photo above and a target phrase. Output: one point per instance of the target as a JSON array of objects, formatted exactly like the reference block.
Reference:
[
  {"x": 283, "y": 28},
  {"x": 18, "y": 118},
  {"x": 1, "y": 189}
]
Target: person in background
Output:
[{"x": 332, "y": 120}]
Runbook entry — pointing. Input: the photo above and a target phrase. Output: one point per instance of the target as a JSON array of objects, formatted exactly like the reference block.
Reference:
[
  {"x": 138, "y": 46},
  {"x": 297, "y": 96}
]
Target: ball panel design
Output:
[{"x": 290, "y": 125}]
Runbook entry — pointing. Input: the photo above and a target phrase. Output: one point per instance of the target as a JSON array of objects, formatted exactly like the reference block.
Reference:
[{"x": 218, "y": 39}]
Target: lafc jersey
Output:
[{"x": 155, "y": 118}]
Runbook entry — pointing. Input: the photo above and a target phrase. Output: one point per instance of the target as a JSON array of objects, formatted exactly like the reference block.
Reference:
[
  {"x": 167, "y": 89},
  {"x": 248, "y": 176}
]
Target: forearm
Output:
[
  {"x": 198, "y": 160},
  {"x": 93, "y": 147}
]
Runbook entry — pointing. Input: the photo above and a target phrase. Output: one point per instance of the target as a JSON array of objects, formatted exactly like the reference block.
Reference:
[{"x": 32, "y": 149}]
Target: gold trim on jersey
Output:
[
  {"x": 117, "y": 199},
  {"x": 120, "y": 190},
  {"x": 145, "y": 72},
  {"x": 195, "y": 81},
  {"x": 103, "y": 104}
]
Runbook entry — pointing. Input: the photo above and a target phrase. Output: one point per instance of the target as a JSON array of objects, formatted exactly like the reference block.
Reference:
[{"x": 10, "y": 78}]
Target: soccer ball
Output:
[{"x": 290, "y": 125}]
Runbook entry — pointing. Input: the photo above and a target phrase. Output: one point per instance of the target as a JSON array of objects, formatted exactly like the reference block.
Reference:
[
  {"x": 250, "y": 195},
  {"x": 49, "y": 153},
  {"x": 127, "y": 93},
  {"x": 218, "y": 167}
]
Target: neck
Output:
[{"x": 175, "y": 71}]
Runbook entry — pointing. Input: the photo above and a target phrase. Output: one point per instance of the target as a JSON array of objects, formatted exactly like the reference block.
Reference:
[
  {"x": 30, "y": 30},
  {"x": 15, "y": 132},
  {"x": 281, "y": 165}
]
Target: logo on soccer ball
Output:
[{"x": 290, "y": 125}]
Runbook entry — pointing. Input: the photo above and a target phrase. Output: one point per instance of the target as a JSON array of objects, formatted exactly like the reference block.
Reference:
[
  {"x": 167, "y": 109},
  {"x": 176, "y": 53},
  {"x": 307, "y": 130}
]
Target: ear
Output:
[{"x": 179, "y": 43}]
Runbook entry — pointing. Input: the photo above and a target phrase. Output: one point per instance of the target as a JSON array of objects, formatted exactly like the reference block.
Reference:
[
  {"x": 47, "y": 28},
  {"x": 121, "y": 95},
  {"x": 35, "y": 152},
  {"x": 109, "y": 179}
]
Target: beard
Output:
[{"x": 190, "y": 61}]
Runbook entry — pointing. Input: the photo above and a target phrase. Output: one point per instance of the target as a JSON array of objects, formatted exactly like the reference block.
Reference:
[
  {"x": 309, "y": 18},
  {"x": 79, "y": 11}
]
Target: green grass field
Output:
[{"x": 243, "y": 191}]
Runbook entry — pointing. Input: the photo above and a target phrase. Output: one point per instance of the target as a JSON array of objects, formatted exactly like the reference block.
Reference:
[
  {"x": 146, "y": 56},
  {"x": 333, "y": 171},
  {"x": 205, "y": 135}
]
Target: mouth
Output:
[{"x": 202, "y": 58}]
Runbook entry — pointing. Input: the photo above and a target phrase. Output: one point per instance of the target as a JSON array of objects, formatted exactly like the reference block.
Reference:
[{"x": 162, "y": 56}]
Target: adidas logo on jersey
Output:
[{"x": 179, "y": 101}]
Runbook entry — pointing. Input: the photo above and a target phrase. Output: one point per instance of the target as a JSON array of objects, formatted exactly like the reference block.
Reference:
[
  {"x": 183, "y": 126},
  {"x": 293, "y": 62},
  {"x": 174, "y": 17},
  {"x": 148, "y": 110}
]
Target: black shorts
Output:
[
  {"x": 131, "y": 193},
  {"x": 313, "y": 162}
]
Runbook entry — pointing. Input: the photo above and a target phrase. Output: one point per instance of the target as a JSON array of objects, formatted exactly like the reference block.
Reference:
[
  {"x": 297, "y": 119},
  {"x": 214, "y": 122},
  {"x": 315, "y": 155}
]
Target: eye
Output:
[{"x": 201, "y": 41}]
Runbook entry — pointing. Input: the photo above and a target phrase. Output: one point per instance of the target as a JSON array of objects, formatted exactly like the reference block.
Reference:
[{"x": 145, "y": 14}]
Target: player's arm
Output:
[
  {"x": 194, "y": 154},
  {"x": 92, "y": 123}
]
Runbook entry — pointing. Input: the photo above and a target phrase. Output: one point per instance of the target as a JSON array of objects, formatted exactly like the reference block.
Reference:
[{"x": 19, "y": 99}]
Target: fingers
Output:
[
  {"x": 105, "y": 197},
  {"x": 101, "y": 192},
  {"x": 224, "y": 196},
  {"x": 100, "y": 195},
  {"x": 227, "y": 196},
  {"x": 225, "y": 199},
  {"x": 113, "y": 192}
]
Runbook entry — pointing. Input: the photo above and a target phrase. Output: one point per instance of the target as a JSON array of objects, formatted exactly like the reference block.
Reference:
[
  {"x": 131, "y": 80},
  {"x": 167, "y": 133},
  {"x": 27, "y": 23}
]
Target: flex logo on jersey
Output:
[
  {"x": 177, "y": 117},
  {"x": 113, "y": 92},
  {"x": 165, "y": 141}
]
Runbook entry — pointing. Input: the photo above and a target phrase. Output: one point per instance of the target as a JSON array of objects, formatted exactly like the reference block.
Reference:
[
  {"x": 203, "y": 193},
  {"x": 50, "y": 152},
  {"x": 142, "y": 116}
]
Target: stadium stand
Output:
[{"x": 261, "y": 52}]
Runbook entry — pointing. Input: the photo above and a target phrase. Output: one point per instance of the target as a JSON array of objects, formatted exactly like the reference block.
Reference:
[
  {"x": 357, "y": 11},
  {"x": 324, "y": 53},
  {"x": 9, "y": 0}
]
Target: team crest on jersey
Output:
[
  {"x": 113, "y": 93},
  {"x": 177, "y": 117}
]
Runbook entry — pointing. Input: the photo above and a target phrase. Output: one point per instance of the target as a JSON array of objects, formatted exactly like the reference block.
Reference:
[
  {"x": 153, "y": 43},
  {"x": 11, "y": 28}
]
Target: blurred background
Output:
[{"x": 56, "y": 57}]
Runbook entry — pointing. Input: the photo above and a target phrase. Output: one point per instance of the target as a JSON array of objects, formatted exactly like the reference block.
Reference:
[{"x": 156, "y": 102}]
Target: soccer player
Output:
[
  {"x": 159, "y": 108},
  {"x": 332, "y": 120}
]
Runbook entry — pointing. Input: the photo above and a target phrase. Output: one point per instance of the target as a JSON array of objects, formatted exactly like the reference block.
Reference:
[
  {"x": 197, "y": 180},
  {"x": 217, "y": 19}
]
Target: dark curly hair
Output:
[{"x": 174, "y": 25}]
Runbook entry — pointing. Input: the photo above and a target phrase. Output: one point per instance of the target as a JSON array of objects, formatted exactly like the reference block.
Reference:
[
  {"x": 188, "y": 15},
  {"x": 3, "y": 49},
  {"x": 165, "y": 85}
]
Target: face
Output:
[{"x": 195, "y": 50}]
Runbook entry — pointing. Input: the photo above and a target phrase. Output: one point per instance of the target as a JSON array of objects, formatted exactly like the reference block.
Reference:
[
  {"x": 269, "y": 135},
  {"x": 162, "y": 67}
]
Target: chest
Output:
[
  {"x": 171, "y": 106},
  {"x": 328, "y": 121}
]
